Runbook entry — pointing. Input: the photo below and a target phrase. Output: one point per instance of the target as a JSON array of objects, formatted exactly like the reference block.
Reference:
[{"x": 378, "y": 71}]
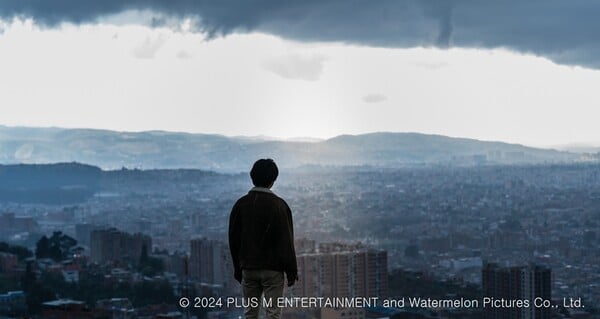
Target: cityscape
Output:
[
  {"x": 398, "y": 159},
  {"x": 145, "y": 239}
]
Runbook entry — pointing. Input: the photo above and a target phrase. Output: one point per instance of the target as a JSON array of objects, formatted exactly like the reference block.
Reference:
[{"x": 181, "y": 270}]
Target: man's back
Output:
[
  {"x": 261, "y": 240},
  {"x": 261, "y": 233}
]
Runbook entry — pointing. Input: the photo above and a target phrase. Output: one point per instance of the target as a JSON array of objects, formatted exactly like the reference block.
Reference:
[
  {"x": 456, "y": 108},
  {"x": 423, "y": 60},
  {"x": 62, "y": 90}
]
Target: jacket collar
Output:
[{"x": 261, "y": 189}]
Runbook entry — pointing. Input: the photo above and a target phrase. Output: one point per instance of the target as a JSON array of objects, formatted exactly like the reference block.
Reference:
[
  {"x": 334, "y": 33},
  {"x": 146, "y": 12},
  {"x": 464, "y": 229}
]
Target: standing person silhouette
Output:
[{"x": 261, "y": 241}]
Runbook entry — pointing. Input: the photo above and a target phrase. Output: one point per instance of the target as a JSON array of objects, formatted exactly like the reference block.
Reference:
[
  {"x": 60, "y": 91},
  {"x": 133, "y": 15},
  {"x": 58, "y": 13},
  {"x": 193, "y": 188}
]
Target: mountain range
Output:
[{"x": 160, "y": 149}]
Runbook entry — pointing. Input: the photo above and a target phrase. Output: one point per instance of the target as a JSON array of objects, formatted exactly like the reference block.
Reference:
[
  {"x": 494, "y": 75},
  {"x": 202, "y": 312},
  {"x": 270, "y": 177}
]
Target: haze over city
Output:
[{"x": 444, "y": 153}]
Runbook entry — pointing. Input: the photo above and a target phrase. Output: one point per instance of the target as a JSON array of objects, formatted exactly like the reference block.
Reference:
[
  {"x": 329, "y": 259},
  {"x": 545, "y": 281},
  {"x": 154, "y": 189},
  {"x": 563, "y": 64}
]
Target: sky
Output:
[{"x": 527, "y": 73}]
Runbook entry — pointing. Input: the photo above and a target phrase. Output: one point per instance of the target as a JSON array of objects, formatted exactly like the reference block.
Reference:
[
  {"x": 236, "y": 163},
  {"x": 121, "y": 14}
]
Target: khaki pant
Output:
[{"x": 255, "y": 284}]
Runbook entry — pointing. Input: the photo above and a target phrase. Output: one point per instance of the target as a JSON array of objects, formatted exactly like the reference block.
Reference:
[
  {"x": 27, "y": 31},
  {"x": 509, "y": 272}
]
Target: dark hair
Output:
[{"x": 264, "y": 172}]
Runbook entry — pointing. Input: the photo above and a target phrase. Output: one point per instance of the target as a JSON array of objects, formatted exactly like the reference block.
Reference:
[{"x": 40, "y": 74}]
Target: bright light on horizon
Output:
[{"x": 136, "y": 78}]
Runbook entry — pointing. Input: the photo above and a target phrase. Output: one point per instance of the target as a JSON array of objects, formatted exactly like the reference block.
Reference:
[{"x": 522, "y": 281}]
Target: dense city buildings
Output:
[
  {"x": 83, "y": 233},
  {"x": 341, "y": 270},
  {"x": 210, "y": 265},
  {"x": 112, "y": 245},
  {"x": 207, "y": 261},
  {"x": 520, "y": 291},
  {"x": 432, "y": 227},
  {"x": 11, "y": 224}
]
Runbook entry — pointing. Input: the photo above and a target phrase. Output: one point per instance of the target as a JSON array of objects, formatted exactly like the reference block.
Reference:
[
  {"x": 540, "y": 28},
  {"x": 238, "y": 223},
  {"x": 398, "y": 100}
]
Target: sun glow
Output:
[{"x": 132, "y": 78}]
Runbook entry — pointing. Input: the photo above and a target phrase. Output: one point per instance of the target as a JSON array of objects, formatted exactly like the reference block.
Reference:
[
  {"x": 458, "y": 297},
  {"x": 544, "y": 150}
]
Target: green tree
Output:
[
  {"x": 21, "y": 252},
  {"x": 148, "y": 265},
  {"x": 56, "y": 247},
  {"x": 42, "y": 248},
  {"x": 35, "y": 292}
]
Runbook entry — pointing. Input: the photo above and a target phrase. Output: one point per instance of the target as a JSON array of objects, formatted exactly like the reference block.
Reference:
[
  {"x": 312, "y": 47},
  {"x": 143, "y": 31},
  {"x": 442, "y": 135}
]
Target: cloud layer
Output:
[
  {"x": 374, "y": 98},
  {"x": 563, "y": 31},
  {"x": 294, "y": 66}
]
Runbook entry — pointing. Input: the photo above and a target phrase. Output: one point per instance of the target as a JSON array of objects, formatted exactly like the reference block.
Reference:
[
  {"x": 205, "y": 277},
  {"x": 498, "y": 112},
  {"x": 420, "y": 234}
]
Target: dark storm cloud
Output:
[{"x": 564, "y": 31}]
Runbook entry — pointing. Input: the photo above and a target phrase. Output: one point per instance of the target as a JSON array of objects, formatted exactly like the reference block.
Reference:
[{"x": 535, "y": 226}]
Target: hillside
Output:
[{"x": 158, "y": 149}]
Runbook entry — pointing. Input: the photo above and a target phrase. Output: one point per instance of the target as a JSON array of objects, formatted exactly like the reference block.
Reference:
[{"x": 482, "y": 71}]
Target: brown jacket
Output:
[{"x": 261, "y": 234}]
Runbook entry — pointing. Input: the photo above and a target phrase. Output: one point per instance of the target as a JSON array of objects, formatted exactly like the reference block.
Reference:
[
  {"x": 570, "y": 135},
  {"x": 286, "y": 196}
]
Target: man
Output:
[{"x": 261, "y": 240}]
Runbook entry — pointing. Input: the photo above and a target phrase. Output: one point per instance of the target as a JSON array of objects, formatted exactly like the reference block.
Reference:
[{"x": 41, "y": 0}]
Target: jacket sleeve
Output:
[
  {"x": 235, "y": 237},
  {"x": 288, "y": 250}
]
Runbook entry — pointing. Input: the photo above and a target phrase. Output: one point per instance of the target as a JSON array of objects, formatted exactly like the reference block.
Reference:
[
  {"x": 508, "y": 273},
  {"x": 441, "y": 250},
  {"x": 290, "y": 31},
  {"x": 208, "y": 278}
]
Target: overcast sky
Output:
[{"x": 526, "y": 73}]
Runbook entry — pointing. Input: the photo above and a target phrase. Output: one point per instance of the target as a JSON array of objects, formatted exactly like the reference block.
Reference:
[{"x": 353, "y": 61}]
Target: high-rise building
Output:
[
  {"x": 11, "y": 224},
  {"x": 7, "y": 221},
  {"x": 83, "y": 233},
  {"x": 517, "y": 283},
  {"x": 210, "y": 264},
  {"x": 354, "y": 272},
  {"x": 305, "y": 246},
  {"x": 112, "y": 245},
  {"x": 207, "y": 261}
]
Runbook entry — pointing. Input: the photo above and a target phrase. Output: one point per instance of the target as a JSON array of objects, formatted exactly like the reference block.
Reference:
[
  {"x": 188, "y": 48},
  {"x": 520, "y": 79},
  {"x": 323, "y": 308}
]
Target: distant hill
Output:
[
  {"x": 159, "y": 149},
  {"x": 579, "y": 148},
  {"x": 61, "y": 183}
]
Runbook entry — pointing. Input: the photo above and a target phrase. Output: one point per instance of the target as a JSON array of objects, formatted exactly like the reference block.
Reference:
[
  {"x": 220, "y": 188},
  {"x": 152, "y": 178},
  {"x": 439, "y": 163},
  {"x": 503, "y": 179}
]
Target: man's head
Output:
[{"x": 264, "y": 173}]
